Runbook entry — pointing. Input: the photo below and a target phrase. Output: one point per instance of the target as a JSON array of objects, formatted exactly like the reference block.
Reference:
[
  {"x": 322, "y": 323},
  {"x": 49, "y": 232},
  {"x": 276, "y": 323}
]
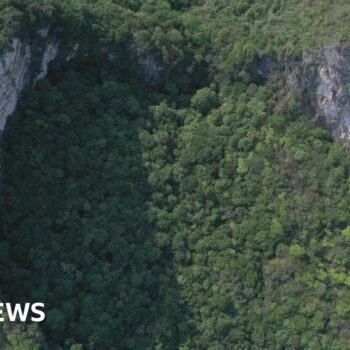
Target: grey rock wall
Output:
[
  {"x": 14, "y": 75},
  {"x": 17, "y": 72},
  {"x": 326, "y": 76}
]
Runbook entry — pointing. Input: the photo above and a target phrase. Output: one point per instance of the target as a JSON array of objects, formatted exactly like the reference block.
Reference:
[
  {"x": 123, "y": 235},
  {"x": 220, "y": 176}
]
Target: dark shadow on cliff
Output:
[{"x": 76, "y": 220}]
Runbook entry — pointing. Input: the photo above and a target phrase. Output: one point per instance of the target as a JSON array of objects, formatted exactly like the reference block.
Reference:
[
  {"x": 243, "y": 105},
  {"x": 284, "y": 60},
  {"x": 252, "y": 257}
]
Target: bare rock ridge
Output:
[
  {"x": 17, "y": 72},
  {"x": 326, "y": 76}
]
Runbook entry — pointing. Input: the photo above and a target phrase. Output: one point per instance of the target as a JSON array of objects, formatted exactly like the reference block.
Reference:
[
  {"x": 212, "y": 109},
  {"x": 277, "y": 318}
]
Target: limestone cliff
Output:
[
  {"x": 326, "y": 76},
  {"x": 26, "y": 63},
  {"x": 19, "y": 68}
]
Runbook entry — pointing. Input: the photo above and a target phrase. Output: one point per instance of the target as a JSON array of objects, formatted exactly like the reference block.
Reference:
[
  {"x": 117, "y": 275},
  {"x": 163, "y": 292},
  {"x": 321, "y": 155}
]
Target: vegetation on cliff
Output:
[{"x": 203, "y": 211}]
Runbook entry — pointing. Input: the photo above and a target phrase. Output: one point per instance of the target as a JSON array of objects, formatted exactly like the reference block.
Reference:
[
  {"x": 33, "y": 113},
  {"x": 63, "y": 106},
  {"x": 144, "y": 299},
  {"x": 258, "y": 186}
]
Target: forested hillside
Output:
[{"x": 158, "y": 193}]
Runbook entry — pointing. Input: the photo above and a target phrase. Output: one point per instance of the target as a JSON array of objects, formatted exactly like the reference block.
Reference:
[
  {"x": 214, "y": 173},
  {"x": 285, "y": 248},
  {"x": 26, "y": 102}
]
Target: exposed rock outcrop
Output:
[
  {"x": 326, "y": 76},
  {"x": 13, "y": 77},
  {"x": 48, "y": 56},
  {"x": 27, "y": 63},
  {"x": 18, "y": 69}
]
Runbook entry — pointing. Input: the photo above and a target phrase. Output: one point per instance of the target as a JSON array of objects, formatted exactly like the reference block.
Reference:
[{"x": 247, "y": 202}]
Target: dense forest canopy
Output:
[{"x": 201, "y": 211}]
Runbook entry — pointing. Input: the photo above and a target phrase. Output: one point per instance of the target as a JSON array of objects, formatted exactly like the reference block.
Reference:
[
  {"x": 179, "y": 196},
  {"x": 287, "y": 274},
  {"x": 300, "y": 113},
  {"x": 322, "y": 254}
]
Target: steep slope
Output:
[{"x": 158, "y": 193}]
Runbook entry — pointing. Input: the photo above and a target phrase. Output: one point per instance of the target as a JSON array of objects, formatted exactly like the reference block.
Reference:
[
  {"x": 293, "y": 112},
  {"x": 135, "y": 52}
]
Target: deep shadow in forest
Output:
[{"x": 77, "y": 233}]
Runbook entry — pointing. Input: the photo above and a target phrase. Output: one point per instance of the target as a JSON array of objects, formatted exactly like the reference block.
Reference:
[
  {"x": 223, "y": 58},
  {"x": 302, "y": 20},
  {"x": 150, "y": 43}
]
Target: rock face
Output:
[
  {"x": 326, "y": 76},
  {"x": 18, "y": 70},
  {"x": 13, "y": 77},
  {"x": 26, "y": 63},
  {"x": 48, "y": 56}
]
